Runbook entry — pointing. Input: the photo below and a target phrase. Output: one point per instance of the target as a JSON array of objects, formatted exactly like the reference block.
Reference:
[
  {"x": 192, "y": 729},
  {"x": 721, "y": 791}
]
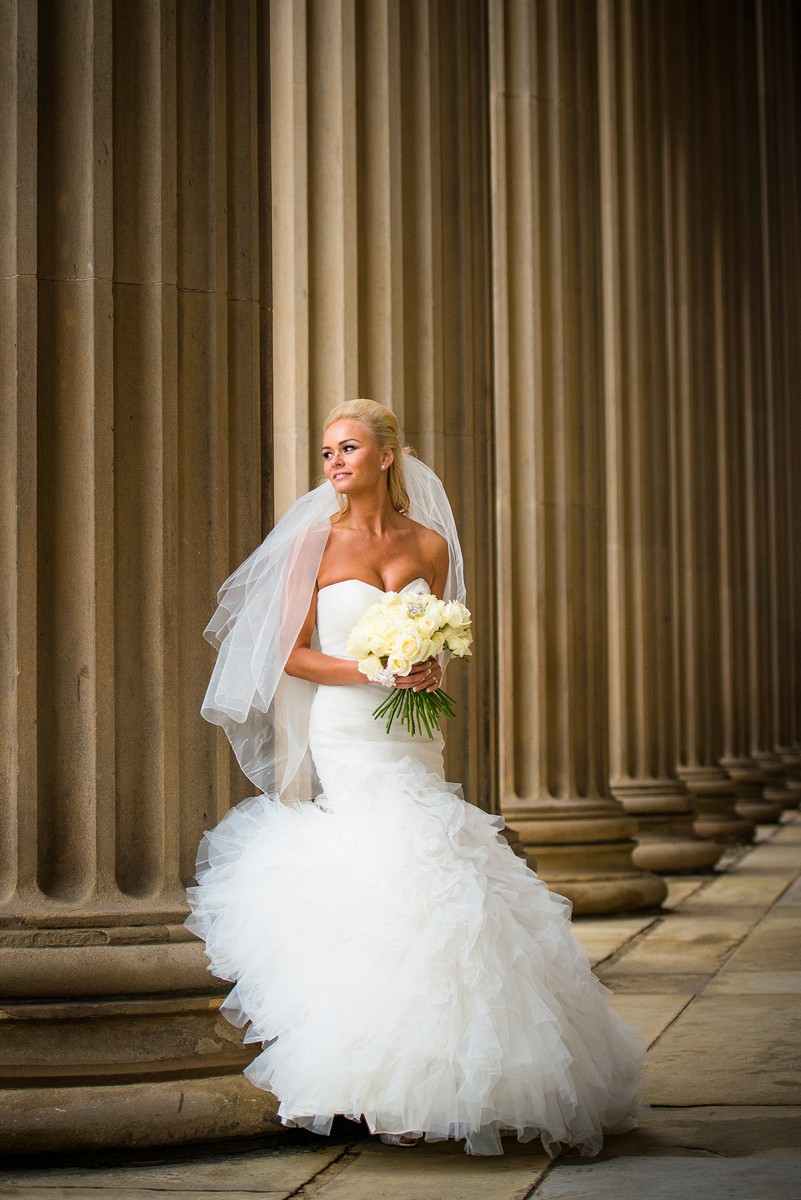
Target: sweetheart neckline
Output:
[{"x": 374, "y": 586}]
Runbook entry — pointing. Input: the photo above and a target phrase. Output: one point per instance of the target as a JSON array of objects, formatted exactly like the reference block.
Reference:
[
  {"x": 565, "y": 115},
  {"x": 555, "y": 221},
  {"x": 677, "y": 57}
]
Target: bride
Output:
[{"x": 398, "y": 962}]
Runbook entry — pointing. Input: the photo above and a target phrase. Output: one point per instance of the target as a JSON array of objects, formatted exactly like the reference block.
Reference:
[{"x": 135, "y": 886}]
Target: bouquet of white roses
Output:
[{"x": 403, "y": 629}]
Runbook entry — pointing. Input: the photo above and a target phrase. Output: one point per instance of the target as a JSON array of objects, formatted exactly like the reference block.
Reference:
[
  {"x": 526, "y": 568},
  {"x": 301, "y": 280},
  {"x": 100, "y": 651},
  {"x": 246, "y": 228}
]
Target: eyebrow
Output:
[{"x": 344, "y": 442}]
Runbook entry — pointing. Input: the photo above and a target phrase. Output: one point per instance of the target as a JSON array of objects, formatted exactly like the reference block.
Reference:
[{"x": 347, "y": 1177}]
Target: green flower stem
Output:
[{"x": 418, "y": 711}]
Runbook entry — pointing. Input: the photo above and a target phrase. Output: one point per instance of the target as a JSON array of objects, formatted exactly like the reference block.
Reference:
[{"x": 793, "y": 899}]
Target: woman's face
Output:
[{"x": 351, "y": 458}]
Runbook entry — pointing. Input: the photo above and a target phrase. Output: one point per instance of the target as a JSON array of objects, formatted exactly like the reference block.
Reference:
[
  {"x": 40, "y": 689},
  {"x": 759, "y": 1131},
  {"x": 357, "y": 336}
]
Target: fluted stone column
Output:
[
  {"x": 381, "y": 270},
  {"x": 638, "y": 469},
  {"x": 745, "y": 593},
  {"x": 703, "y": 512},
  {"x": 553, "y": 669},
  {"x": 779, "y": 161},
  {"x": 134, "y": 405}
]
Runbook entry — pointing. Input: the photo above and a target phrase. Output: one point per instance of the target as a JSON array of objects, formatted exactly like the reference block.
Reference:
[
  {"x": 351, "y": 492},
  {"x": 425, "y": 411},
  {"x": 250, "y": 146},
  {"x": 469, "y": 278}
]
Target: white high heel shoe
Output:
[{"x": 398, "y": 1139}]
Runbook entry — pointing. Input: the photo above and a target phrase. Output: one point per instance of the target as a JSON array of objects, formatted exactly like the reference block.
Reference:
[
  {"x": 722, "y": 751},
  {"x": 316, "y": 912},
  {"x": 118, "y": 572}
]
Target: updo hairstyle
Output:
[{"x": 384, "y": 429}]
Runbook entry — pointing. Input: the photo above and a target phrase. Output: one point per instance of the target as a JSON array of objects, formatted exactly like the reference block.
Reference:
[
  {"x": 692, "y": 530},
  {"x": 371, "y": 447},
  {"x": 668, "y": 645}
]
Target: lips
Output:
[{"x": 342, "y": 475}]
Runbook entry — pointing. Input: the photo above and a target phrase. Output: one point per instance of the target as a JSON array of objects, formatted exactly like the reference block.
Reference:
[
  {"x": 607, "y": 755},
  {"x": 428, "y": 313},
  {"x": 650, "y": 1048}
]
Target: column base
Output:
[
  {"x": 145, "y": 1059},
  {"x": 770, "y": 765},
  {"x": 583, "y": 850},
  {"x": 791, "y": 761},
  {"x": 750, "y": 782},
  {"x": 774, "y": 794},
  {"x": 715, "y": 802},
  {"x": 665, "y": 815},
  {"x": 793, "y": 787},
  {"x": 45, "y": 1120}
]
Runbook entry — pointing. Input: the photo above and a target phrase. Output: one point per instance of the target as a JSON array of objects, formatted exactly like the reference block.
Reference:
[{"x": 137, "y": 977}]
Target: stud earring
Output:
[{"x": 383, "y": 467}]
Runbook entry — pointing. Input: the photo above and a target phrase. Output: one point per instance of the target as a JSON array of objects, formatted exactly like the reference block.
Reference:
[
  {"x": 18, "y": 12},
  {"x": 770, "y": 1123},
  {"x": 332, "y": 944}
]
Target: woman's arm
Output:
[{"x": 305, "y": 663}]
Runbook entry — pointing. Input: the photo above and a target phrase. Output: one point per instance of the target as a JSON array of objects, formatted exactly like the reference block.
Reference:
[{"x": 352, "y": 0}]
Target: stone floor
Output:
[{"x": 714, "y": 983}]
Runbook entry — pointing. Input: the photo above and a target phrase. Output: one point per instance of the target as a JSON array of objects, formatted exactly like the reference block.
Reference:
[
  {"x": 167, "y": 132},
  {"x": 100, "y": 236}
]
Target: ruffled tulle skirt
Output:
[{"x": 399, "y": 963}]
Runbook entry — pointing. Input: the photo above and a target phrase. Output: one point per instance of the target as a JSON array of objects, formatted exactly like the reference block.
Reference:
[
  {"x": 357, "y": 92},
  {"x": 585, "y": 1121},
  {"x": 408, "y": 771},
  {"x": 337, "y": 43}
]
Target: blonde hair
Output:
[{"x": 384, "y": 428}]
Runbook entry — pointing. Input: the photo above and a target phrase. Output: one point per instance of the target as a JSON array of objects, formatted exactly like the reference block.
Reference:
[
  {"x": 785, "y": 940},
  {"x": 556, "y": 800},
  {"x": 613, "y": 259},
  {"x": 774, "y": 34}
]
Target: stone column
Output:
[
  {"x": 746, "y": 587},
  {"x": 381, "y": 270},
  {"x": 134, "y": 403},
  {"x": 779, "y": 157},
  {"x": 637, "y": 423},
  {"x": 703, "y": 513},
  {"x": 551, "y": 600}
]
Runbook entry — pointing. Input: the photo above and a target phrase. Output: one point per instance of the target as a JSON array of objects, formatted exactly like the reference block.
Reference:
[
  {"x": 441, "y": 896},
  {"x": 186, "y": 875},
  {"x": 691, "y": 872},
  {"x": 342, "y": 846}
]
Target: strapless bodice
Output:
[
  {"x": 342, "y": 715},
  {"x": 339, "y": 607}
]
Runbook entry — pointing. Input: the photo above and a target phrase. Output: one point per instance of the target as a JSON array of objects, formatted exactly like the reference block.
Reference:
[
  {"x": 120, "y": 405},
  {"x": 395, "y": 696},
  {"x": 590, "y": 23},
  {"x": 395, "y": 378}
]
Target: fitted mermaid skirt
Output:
[{"x": 396, "y": 960}]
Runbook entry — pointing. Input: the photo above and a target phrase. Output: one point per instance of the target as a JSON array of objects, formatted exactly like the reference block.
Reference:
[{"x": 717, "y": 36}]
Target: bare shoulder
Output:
[{"x": 432, "y": 545}]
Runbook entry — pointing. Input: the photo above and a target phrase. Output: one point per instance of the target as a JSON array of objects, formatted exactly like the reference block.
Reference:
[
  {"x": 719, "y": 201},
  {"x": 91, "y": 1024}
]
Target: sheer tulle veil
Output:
[{"x": 261, "y": 607}]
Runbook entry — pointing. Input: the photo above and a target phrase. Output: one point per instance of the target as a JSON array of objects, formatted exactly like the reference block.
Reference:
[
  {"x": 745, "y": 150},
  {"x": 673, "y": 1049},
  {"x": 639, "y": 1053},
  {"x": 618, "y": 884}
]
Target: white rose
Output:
[
  {"x": 392, "y": 601},
  {"x": 438, "y": 642},
  {"x": 427, "y": 623},
  {"x": 359, "y": 643},
  {"x": 435, "y": 609},
  {"x": 411, "y": 644},
  {"x": 456, "y": 615},
  {"x": 398, "y": 665},
  {"x": 459, "y": 645},
  {"x": 370, "y": 666}
]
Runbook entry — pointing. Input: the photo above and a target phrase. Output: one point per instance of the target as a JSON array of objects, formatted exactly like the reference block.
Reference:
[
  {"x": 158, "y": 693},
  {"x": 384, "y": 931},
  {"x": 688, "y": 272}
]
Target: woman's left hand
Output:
[{"x": 424, "y": 676}]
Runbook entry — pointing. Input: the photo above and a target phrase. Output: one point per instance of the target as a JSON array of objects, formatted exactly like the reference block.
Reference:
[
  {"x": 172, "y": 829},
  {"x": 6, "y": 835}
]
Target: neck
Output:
[{"x": 373, "y": 514}]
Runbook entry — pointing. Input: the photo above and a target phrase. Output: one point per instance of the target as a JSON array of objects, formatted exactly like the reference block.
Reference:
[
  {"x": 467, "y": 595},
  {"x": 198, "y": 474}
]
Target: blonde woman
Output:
[{"x": 398, "y": 963}]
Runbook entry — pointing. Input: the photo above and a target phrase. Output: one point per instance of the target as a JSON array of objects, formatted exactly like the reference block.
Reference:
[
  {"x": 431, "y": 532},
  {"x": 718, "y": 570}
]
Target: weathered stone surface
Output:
[
  {"x": 730, "y": 1050},
  {"x": 680, "y": 888},
  {"x": 775, "y": 944},
  {"x": 686, "y": 944},
  {"x": 602, "y": 937},
  {"x": 271, "y": 1172},
  {"x": 728, "y": 1153},
  {"x": 743, "y": 887},
  {"x": 620, "y": 980},
  {"x": 673, "y": 1179},
  {"x": 437, "y": 1170},
  {"x": 732, "y": 982},
  {"x": 791, "y": 898},
  {"x": 99, "y": 1116},
  {"x": 651, "y": 1013},
  {"x": 734, "y": 1131}
]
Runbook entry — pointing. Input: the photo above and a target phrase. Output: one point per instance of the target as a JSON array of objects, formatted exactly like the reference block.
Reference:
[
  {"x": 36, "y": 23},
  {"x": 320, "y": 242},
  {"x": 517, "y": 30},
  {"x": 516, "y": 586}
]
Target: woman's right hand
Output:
[{"x": 424, "y": 676}]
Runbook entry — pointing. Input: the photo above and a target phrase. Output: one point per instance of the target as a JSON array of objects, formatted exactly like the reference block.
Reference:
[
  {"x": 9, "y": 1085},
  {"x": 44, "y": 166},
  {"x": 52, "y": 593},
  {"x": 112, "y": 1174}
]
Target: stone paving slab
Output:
[
  {"x": 792, "y": 897},
  {"x": 436, "y": 1171},
  {"x": 650, "y": 1014},
  {"x": 126, "y": 1193},
  {"x": 790, "y": 829},
  {"x": 726, "y": 1153},
  {"x": 680, "y": 889},
  {"x": 778, "y": 855},
  {"x": 604, "y": 936},
  {"x": 761, "y": 1131},
  {"x": 732, "y": 982},
  {"x": 676, "y": 1178},
  {"x": 730, "y": 1050},
  {"x": 693, "y": 943},
  {"x": 622, "y": 980},
  {"x": 744, "y": 888},
  {"x": 280, "y": 1171},
  {"x": 775, "y": 944}
]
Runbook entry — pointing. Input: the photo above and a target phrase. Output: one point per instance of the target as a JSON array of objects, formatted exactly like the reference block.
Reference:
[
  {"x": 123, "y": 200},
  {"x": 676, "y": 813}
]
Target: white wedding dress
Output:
[{"x": 398, "y": 961}]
